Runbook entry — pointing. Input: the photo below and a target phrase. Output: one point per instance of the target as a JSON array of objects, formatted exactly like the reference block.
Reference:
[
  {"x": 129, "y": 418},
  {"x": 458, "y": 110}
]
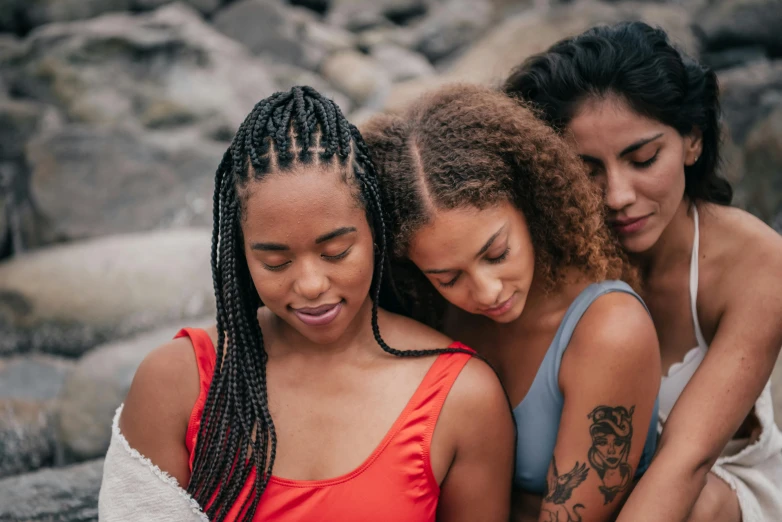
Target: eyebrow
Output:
[
  {"x": 482, "y": 251},
  {"x": 334, "y": 233},
  {"x": 279, "y": 247},
  {"x": 627, "y": 150}
]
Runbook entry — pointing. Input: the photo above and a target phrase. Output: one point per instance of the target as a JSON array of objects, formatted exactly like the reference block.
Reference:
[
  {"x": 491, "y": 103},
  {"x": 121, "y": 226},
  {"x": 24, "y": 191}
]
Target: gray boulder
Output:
[
  {"x": 762, "y": 181},
  {"x": 749, "y": 94},
  {"x": 452, "y": 26},
  {"x": 67, "y": 299},
  {"x": 166, "y": 69},
  {"x": 54, "y": 495},
  {"x": 400, "y": 63},
  {"x": 359, "y": 15},
  {"x": 27, "y": 437},
  {"x": 92, "y": 180},
  {"x": 742, "y": 23},
  {"x": 98, "y": 384},
  {"x": 32, "y": 377},
  {"x": 359, "y": 76},
  {"x": 281, "y": 33}
]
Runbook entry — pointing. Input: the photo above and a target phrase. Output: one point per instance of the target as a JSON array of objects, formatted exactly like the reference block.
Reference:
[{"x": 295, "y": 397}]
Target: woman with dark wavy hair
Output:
[
  {"x": 644, "y": 117},
  {"x": 491, "y": 212}
]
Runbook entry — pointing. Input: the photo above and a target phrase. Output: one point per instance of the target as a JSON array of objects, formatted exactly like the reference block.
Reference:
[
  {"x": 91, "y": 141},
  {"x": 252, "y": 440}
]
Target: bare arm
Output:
[
  {"x": 478, "y": 483},
  {"x": 610, "y": 375},
  {"x": 157, "y": 408},
  {"x": 718, "y": 397}
]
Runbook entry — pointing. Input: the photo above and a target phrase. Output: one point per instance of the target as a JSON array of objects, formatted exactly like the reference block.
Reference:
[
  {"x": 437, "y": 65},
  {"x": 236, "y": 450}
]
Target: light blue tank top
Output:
[{"x": 537, "y": 416}]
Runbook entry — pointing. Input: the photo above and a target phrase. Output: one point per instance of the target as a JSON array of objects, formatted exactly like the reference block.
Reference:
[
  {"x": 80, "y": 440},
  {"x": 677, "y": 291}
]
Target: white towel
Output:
[
  {"x": 134, "y": 489},
  {"x": 754, "y": 471}
]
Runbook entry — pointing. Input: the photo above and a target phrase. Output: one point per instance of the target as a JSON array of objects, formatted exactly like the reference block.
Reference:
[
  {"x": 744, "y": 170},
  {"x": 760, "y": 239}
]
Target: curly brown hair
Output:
[{"x": 466, "y": 145}]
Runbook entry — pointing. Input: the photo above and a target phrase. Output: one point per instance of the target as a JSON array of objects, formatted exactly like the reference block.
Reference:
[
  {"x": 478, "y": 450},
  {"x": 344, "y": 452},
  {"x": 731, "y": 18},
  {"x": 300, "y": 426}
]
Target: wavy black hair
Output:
[{"x": 638, "y": 63}]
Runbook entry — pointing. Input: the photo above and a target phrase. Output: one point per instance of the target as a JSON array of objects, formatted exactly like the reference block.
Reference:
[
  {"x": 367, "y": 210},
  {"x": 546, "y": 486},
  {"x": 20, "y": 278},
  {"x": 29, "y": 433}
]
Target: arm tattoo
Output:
[
  {"x": 612, "y": 432},
  {"x": 559, "y": 488}
]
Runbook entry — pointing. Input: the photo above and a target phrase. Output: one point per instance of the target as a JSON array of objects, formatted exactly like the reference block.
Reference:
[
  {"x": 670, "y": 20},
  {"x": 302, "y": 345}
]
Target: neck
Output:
[
  {"x": 357, "y": 338},
  {"x": 672, "y": 247}
]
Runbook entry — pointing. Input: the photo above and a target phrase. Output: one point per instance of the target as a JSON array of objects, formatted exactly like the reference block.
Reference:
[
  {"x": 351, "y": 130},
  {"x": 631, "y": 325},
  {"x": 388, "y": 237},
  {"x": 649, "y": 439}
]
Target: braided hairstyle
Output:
[{"x": 236, "y": 435}]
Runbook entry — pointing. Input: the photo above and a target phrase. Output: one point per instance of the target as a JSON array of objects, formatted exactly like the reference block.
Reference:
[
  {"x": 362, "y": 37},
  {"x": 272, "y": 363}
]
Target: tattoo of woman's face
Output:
[{"x": 612, "y": 433}]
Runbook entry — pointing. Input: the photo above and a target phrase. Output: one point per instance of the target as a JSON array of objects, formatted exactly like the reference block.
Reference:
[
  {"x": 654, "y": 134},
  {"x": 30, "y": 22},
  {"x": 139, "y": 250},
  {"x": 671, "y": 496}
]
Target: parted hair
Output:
[{"x": 466, "y": 145}]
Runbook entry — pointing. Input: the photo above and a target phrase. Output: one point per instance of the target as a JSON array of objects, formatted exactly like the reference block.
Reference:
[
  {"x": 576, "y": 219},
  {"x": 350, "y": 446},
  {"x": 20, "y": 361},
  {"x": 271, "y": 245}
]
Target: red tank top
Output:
[{"x": 394, "y": 483}]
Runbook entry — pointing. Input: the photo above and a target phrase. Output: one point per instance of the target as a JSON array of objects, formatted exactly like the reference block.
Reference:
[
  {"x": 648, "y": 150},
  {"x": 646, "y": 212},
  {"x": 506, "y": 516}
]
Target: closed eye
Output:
[
  {"x": 339, "y": 256},
  {"x": 500, "y": 258},
  {"x": 274, "y": 268},
  {"x": 449, "y": 284},
  {"x": 647, "y": 163}
]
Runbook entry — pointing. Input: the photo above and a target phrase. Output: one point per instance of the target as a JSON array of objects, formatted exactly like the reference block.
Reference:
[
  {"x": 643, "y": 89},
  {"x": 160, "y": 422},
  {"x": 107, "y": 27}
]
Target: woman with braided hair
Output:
[
  {"x": 305, "y": 411},
  {"x": 493, "y": 212}
]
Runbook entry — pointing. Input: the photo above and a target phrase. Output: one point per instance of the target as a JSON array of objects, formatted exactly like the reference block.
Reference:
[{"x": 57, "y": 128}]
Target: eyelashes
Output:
[
  {"x": 647, "y": 163},
  {"x": 492, "y": 260},
  {"x": 336, "y": 257}
]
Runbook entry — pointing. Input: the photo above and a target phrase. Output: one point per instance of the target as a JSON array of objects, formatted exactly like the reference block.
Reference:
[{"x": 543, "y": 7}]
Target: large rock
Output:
[
  {"x": 490, "y": 60},
  {"x": 358, "y": 76},
  {"x": 97, "y": 386},
  {"x": 66, "y": 299},
  {"x": 742, "y": 23},
  {"x": 400, "y": 63},
  {"x": 27, "y": 437},
  {"x": 19, "y": 120},
  {"x": 359, "y": 15},
  {"x": 92, "y": 181},
  {"x": 20, "y": 16},
  {"x": 55, "y": 495},
  {"x": 451, "y": 26},
  {"x": 120, "y": 68},
  {"x": 763, "y": 167},
  {"x": 33, "y": 377},
  {"x": 282, "y": 33},
  {"x": 749, "y": 94}
]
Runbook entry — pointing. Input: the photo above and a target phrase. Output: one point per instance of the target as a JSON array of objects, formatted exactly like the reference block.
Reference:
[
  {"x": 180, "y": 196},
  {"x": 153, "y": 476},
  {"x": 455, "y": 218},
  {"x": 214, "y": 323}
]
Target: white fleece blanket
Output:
[
  {"x": 135, "y": 489},
  {"x": 754, "y": 469}
]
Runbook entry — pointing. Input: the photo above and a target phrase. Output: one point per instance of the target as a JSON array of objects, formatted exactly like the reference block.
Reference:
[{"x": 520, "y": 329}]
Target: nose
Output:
[
  {"x": 486, "y": 289},
  {"x": 311, "y": 282},
  {"x": 619, "y": 190},
  {"x": 612, "y": 449}
]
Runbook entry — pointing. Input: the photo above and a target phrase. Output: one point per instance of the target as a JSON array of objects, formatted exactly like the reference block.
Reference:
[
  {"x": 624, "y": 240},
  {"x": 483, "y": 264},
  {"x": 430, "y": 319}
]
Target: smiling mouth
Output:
[
  {"x": 500, "y": 308},
  {"x": 318, "y": 315}
]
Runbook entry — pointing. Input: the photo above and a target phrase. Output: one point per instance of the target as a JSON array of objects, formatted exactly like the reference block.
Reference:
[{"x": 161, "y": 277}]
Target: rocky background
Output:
[{"x": 113, "y": 118}]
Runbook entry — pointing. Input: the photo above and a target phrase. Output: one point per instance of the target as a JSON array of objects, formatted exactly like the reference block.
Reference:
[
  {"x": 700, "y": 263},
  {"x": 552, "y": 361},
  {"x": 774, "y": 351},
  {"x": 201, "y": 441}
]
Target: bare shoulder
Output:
[
  {"x": 616, "y": 329},
  {"x": 742, "y": 241},
  {"x": 404, "y": 333},
  {"x": 478, "y": 388},
  {"x": 157, "y": 408}
]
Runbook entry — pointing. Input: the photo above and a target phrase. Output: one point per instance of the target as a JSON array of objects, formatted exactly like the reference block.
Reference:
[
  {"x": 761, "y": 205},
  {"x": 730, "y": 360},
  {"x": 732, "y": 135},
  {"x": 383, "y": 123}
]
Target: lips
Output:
[
  {"x": 318, "y": 315},
  {"x": 499, "y": 309},
  {"x": 630, "y": 225}
]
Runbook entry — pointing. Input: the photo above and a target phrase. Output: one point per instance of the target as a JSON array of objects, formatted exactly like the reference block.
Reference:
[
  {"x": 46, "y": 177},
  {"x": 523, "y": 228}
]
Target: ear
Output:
[{"x": 693, "y": 146}]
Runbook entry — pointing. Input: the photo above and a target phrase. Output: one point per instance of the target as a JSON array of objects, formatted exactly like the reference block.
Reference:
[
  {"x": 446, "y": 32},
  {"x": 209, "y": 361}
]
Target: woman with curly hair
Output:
[
  {"x": 490, "y": 209},
  {"x": 645, "y": 119},
  {"x": 294, "y": 407}
]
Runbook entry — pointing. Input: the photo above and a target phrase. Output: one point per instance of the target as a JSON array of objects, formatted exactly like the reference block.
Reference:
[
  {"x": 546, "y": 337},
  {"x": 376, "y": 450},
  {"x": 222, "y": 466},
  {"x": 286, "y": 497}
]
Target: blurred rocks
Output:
[
  {"x": 749, "y": 93},
  {"x": 66, "y": 299},
  {"x": 33, "y": 377},
  {"x": 92, "y": 180},
  {"x": 742, "y": 24},
  {"x": 763, "y": 177},
  {"x": 27, "y": 438},
  {"x": 366, "y": 84},
  {"x": 68, "y": 494},
  {"x": 98, "y": 384},
  {"x": 118, "y": 68}
]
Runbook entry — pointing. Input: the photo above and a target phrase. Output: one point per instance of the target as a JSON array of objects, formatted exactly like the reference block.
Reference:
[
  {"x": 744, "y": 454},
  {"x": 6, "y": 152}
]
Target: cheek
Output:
[{"x": 663, "y": 184}]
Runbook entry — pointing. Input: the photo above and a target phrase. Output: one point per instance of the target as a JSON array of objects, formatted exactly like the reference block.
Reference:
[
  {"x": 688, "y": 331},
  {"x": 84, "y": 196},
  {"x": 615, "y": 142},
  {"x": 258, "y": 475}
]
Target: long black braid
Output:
[{"x": 236, "y": 434}]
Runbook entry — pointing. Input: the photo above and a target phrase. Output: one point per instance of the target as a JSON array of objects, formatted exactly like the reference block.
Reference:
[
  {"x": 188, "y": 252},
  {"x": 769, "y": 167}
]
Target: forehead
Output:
[
  {"x": 306, "y": 202},
  {"x": 610, "y": 120},
  {"x": 454, "y": 235}
]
